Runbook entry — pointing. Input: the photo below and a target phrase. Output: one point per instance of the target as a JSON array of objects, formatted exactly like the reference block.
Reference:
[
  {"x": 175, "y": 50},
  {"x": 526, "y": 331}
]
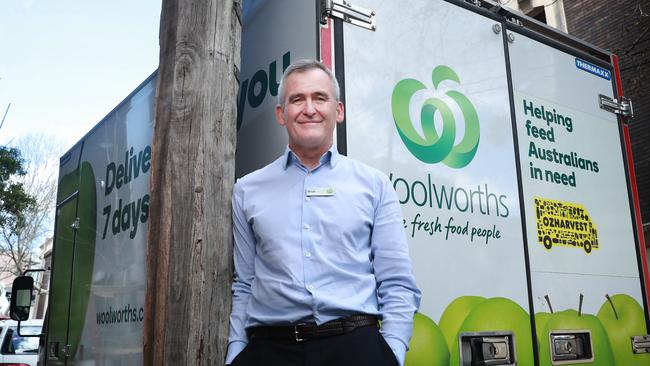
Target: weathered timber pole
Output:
[{"x": 189, "y": 248}]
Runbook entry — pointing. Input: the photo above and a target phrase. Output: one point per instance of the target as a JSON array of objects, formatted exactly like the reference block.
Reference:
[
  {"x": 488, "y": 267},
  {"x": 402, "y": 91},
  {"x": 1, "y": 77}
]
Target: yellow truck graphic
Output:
[{"x": 564, "y": 223}]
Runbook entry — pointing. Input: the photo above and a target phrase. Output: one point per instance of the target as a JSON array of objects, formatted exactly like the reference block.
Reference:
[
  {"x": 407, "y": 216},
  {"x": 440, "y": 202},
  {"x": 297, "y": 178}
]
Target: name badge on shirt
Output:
[{"x": 319, "y": 192}]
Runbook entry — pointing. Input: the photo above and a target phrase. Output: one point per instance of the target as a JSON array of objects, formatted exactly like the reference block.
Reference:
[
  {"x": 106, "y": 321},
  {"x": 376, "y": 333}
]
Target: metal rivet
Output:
[
  {"x": 496, "y": 28},
  {"x": 511, "y": 37}
]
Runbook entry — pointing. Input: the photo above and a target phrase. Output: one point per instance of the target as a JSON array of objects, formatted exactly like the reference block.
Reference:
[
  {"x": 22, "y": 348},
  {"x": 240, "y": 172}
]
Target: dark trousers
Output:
[{"x": 361, "y": 347}]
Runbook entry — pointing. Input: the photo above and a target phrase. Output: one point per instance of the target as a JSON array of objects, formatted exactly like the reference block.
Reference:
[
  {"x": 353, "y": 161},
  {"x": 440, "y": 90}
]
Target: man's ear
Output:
[
  {"x": 279, "y": 115},
  {"x": 340, "y": 112}
]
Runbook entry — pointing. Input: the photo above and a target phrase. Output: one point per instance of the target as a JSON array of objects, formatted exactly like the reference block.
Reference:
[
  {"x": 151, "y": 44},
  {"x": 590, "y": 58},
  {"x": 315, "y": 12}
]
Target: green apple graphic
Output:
[
  {"x": 540, "y": 323},
  {"x": 623, "y": 318},
  {"x": 427, "y": 346},
  {"x": 70, "y": 284},
  {"x": 574, "y": 320},
  {"x": 499, "y": 314},
  {"x": 454, "y": 316}
]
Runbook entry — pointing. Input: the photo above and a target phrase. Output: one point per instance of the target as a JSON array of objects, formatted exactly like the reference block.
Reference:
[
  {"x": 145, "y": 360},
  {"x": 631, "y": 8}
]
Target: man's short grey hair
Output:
[{"x": 302, "y": 66}]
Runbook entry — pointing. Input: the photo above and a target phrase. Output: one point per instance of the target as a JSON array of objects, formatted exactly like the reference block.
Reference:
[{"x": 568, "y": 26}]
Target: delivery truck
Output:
[
  {"x": 96, "y": 295},
  {"x": 505, "y": 140}
]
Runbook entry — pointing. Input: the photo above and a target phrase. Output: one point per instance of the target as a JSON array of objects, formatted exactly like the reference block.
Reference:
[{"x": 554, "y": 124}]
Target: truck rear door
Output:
[
  {"x": 427, "y": 102},
  {"x": 582, "y": 245},
  {"x": 60, "y": 342},
  {"x": 512, "y": 180}
]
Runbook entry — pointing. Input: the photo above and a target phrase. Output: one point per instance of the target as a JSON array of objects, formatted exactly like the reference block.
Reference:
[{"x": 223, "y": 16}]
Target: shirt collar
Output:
[{"x": 330, "y": 156}]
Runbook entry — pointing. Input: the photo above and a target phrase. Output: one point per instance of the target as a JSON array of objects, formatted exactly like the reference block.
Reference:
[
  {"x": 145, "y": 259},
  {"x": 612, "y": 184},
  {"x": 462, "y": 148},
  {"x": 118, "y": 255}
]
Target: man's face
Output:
[{"x": 310, "y": 111}]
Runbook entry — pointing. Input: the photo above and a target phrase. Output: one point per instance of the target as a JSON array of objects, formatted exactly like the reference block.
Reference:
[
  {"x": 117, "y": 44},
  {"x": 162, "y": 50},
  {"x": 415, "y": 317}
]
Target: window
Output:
[
  {"x": 550, "y": 12},
  {"x": 14, "y": 344}
]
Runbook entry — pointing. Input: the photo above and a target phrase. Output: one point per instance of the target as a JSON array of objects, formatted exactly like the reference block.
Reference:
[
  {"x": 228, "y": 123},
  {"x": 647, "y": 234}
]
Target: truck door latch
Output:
[
  {"x": 571, "y": 346},
  {"x": 641, "y": 344},
  {"x": 53, "y": 350},
  {"x": 487, "y": 349},
  {"x": 347, "y": 12}
]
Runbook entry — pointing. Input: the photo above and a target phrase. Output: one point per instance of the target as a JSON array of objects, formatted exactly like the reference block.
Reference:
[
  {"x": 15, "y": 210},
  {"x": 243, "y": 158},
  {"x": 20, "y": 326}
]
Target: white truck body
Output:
[{"x": 514, "y": 182}]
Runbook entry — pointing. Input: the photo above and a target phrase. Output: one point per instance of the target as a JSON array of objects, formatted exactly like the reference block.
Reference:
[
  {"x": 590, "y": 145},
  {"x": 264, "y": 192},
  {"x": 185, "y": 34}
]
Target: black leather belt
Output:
[{"x": 307, "y": 331}]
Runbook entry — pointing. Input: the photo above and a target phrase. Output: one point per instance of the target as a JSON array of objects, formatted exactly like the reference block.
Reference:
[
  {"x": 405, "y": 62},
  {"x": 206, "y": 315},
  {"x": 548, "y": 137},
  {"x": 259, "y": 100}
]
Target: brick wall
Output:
[{"x": 623, "y": 27}]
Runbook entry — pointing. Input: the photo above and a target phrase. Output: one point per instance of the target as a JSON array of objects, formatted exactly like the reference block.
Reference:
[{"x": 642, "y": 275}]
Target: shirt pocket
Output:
[{"x": 346, "y": 222}]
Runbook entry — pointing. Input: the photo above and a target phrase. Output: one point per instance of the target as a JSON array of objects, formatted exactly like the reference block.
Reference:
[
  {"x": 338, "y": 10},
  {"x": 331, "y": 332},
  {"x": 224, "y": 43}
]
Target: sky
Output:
[{"x": 66, "y": 64}]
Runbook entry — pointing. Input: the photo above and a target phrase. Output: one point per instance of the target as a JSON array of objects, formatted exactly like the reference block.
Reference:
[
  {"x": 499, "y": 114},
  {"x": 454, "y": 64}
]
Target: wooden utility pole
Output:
[{"x": 189, "y": 249}]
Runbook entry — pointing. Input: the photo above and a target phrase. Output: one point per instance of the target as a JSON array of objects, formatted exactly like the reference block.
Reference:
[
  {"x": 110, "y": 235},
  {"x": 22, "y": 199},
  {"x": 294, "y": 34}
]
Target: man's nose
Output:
[{"x": 309, "y": 108}]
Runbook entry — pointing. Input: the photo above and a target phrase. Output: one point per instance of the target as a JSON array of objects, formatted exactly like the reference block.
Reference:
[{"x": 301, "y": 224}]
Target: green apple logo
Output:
[{"x": 432, "y": 148}]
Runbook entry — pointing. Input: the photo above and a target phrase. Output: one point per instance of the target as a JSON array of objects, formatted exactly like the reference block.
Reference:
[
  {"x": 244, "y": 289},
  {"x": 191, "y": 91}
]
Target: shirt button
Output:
[
  {"x": 308, "y": 254},
  {"x": 307, "y": 199},
  {"x": 310, "y": 287},
  {"x": 307, "y": 226}
]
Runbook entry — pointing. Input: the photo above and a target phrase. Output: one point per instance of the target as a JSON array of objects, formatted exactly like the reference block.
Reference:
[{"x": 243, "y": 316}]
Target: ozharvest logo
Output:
[
  {"x": 433, "y": 148},
  {"x": 565, "y": 224}
]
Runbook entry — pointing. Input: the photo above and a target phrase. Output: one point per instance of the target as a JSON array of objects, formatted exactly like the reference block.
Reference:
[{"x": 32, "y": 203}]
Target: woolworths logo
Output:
[{"x": 433, "y": 148}]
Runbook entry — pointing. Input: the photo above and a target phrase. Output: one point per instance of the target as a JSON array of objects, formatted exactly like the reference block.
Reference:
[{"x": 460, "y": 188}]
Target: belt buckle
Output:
[{"x": 295, "y": 333}]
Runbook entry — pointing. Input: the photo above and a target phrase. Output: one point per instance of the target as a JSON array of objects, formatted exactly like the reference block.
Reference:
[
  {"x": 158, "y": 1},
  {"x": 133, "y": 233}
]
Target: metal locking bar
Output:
[{"x": 641, "y": 344}]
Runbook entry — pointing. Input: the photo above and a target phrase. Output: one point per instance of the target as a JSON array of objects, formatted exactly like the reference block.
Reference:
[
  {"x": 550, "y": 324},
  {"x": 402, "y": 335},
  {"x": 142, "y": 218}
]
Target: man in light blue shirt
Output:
[{"x": 320, "y": 252}]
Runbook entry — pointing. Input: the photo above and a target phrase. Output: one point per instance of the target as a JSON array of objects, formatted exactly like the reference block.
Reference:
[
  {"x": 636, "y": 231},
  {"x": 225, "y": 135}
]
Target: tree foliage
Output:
[
  {"x": 14, "y": 200},
  {"x": 39, "y": 179}
]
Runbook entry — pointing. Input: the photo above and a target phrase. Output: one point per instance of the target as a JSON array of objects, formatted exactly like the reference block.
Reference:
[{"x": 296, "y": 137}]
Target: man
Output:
[{"x": 320, "y": 252}]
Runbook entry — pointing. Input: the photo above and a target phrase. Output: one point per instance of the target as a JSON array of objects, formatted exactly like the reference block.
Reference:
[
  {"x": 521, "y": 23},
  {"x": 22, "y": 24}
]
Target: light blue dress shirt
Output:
[{"x": 317, "y": 245}]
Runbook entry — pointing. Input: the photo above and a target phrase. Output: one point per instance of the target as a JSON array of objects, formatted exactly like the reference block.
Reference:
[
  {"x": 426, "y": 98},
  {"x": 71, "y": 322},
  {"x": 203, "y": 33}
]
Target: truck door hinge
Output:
[
  {"x": 496, "y": 8},
  {"x": 347, "y": 12},
  {"x": 474, "y": 2},
  {"x": 622, "y": 106},
  {"x": 75, "y": 224}
]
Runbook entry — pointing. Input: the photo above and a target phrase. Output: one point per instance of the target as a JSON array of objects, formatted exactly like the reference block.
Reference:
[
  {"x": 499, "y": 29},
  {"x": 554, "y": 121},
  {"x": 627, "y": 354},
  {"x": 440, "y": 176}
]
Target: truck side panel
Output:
[
  {"x": 99, "y": 260},
  {"x": 274, "y": 34}
]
